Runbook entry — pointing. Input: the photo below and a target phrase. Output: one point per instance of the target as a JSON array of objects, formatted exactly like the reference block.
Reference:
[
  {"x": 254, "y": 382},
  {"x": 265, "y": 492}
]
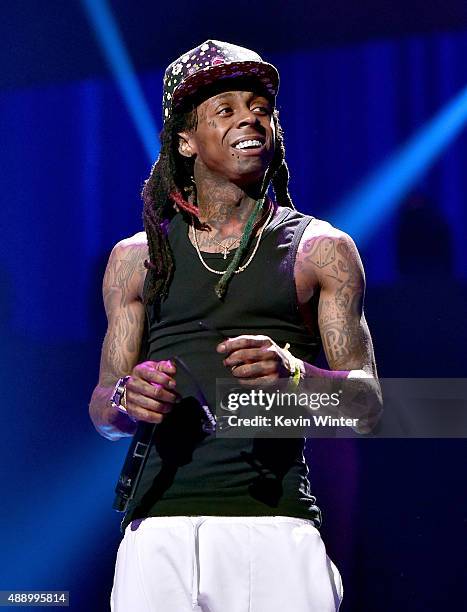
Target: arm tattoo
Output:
[
  {"x": 125, "y": 313},
  {"x": 120, "y": 273},
  {"x": 320, "y": 252},
  {"x": 340, "y": 309}
]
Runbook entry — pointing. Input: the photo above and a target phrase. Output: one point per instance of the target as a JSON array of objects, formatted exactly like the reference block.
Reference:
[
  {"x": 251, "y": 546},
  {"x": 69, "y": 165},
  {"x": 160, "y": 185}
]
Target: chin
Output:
[{"x": 250, "y": 176}]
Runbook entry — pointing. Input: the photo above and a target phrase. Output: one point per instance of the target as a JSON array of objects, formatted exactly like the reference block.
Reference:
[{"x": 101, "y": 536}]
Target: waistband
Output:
[{"x": 196, "y": 521}]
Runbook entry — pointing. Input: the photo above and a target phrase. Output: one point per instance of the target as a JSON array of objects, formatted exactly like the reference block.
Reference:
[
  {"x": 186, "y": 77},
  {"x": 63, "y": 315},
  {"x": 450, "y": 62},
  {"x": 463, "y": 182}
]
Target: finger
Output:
[
  {"x": 241, "y": 342},
  {"x": 258, "y": 382},
  {"x": 168, "y": 366},
  {"x": 255, "y": 370},
  {"x": 141, "y": 414},
  {"x": 156, "y": 372},
  {"x": 150, "y": 388},
  {"x": 141, "y": 401},
  {"x": 153, "y": 391},
  {"x": 250, "y": 355}
]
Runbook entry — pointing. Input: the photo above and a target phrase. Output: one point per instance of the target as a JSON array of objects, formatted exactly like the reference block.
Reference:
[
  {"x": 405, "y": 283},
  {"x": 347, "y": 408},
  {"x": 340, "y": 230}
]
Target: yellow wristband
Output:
[
  {"x": 293, "y": 366},
  {"x": 296, "y": 375}
]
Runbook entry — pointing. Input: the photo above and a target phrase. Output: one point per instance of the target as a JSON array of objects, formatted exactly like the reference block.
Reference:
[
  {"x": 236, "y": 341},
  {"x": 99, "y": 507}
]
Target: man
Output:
[{"x": 227, "y": 279}]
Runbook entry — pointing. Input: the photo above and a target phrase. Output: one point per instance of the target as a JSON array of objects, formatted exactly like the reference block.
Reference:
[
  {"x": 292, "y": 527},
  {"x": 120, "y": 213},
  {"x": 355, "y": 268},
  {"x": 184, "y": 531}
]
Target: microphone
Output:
[
  {"x": 138, "y": 451},
  {"x": 133, "y": 467}
]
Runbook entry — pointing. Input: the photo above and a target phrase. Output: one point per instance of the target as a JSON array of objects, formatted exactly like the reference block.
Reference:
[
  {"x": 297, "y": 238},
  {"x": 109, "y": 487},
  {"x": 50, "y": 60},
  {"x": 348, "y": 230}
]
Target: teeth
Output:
[{"x": 248, "y": 143}]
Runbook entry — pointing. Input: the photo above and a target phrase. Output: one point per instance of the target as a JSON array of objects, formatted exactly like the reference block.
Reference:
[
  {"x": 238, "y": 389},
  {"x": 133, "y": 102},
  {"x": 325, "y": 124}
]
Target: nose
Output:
[{"x": 247, "y": 117}]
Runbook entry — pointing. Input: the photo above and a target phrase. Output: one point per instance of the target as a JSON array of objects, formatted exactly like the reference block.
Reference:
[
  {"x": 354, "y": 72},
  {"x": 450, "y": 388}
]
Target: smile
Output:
[{"x": 248, "y": 144}]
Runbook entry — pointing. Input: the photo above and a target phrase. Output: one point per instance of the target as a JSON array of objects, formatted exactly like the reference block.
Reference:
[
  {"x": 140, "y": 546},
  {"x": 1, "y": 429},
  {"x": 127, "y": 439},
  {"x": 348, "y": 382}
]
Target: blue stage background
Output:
[{"x": 71, "y": 168}]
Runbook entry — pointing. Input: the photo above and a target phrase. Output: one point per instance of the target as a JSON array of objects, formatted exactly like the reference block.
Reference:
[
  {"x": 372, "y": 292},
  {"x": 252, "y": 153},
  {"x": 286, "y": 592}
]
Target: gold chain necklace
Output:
[
  {"x": 250, "y": 259},
  {"x": 225, "y": 248}
]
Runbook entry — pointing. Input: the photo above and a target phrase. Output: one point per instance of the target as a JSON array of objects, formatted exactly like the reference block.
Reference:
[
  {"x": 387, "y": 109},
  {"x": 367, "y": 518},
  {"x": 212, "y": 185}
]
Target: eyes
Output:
[{"x": 259, "y": 108}]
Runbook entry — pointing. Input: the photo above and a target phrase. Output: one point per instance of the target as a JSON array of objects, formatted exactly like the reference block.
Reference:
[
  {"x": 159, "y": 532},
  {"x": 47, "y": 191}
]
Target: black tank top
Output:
[{"x": 189, "y": 472}]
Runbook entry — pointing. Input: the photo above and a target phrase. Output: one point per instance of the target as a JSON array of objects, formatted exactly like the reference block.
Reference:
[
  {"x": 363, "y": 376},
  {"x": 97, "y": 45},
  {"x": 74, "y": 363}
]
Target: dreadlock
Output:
[{"x": 164, "y": 191}]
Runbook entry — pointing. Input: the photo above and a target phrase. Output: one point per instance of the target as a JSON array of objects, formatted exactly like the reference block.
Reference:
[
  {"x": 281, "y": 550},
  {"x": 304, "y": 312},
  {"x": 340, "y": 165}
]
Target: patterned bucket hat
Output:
[{"x": 208, "y": 63}]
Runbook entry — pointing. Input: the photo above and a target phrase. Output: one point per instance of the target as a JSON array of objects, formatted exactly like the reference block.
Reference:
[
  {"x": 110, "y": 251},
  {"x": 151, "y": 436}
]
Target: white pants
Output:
[{"x": 224, "y": 564}]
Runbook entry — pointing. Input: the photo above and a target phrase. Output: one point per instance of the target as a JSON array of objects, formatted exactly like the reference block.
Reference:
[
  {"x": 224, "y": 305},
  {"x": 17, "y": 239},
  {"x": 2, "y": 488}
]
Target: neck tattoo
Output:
[{"x": 247, "y": 263}]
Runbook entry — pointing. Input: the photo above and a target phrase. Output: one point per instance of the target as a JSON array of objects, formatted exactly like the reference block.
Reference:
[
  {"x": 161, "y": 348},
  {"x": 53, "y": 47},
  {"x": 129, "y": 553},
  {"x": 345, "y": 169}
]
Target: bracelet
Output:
[
  {"x": 297, "y": 374},
  {"x": 118, "y": 399},
  {"x": 293, "y": 365}
]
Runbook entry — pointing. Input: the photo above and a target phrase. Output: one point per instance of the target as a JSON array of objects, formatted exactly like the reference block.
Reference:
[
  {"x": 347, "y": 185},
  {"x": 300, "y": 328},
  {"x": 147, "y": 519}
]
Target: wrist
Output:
[
  {"x": 118, "y": 401},
  {"x": 358, "y": 374},
  {"x": 109, "y": 422},
  {"x": 294, "y": 365}
]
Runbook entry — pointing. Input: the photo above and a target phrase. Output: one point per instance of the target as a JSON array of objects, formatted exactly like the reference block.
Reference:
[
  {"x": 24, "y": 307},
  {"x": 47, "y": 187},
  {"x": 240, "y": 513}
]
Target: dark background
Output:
[{"x": 358, "y": 82}]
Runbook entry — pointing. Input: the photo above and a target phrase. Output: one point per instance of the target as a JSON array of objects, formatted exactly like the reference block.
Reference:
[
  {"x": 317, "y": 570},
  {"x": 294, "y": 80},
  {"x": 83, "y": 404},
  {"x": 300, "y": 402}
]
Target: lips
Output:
[{"x": 249, "y": 143}]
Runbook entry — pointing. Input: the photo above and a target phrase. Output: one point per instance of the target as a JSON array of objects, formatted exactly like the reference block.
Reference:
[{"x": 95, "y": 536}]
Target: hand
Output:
[
  {"x": 150, "y": 391},
  {"x": 254, "y": 359}
]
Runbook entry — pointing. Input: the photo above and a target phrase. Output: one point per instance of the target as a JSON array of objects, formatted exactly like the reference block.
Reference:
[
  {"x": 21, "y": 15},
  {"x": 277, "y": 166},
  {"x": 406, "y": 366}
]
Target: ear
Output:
[{"x": 186, "y": 145}]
